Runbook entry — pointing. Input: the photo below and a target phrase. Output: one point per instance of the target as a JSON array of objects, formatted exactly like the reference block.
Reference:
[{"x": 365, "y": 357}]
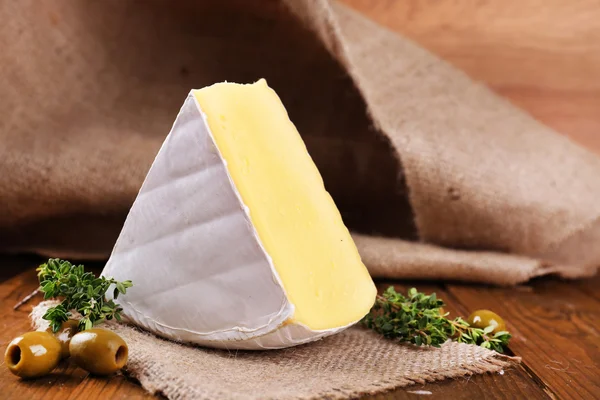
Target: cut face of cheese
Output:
[{"x": 233, "y": 240}]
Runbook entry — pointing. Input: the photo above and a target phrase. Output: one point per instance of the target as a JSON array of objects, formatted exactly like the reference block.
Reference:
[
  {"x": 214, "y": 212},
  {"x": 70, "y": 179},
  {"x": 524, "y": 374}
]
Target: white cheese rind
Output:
[{"x": 199, "y": 270}]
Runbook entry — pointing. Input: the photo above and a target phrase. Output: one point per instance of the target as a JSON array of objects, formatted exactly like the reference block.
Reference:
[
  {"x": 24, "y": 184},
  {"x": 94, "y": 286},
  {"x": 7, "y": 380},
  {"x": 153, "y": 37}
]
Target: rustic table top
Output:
[
  {"x": 556, "y": 328},
  {"x": 544, "y": 57}
]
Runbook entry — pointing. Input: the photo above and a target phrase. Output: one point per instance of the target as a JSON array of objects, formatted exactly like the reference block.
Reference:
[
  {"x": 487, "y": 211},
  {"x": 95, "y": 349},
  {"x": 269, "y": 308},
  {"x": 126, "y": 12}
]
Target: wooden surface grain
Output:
[
  {"x": 556, "y": 330},
  {"x": 543, "y": 55},
  {"x": 556, "y": 327}
]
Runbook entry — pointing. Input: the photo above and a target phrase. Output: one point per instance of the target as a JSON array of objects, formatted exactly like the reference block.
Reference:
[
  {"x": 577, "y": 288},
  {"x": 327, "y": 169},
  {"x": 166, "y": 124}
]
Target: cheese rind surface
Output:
[{"x": 233, "y": 240}]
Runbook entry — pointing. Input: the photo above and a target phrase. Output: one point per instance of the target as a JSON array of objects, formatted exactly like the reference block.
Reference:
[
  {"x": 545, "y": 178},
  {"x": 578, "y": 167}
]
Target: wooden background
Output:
[{"x": 543, "y": 55}]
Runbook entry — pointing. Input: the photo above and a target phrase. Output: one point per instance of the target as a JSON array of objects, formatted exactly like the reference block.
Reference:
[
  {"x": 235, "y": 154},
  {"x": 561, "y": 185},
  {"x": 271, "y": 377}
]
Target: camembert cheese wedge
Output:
[{"x": 233, "y": 241}]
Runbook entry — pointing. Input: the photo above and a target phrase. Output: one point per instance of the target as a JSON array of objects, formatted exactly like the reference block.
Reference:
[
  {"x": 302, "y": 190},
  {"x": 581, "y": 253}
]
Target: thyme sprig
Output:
[
  {"x": 419, "y": 319},
  {"x": 80, "y": 291}
]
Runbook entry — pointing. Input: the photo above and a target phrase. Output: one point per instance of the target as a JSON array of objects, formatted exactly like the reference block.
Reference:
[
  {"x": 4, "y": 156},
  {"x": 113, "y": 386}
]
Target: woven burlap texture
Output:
[
  {"x": 480, "y": 173},
  {"x": 410, "y": 148},
  {"x": 349, "y": 364}
]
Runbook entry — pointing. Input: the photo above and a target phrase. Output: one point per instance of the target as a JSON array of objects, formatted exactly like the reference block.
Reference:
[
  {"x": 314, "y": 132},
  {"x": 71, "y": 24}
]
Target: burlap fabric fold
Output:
[
  {"x": 438, "y": 177},
  {"x": 410, "y": 148},
  {"x": 353, "y": 363}
]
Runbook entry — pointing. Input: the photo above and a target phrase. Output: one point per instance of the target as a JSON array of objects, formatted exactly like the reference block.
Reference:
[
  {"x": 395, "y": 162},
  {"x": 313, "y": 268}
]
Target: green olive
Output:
[
  {"x": 64, "y": 335},
  {"x": 99, "y": 351},
  {"x": 32, "y": 354},
  {"x": 484, "y": 318}
]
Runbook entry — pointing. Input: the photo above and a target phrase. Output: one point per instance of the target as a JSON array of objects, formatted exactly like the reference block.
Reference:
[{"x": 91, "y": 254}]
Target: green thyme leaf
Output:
[
  {"x": 80, "y": 291},
  {"x": 417, "y": 318}
]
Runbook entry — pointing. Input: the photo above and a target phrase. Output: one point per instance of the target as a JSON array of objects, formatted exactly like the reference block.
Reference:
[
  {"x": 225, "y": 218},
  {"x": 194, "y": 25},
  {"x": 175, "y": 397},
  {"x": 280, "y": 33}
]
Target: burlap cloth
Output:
[
  {"x": 355, "y": 362},
  {"x": 437, "y": 176}
]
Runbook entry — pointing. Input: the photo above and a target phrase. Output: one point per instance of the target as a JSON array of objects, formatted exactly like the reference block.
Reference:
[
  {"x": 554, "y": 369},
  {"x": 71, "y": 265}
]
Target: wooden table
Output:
[
  {"x": 556, "y": 328},
  {"x": 545, "y": 57}
]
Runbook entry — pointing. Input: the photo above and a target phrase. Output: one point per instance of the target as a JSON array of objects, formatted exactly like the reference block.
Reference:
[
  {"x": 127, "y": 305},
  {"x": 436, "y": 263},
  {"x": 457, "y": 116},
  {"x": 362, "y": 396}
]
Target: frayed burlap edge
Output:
[{"x": 374, "y": 365}]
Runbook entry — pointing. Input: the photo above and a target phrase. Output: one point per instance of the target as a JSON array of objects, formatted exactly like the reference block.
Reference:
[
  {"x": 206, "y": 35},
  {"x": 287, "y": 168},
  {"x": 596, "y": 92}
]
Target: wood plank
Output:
[
  {"x": 556, "y": 331},
  {"x": 542, "y": 56},
  {"x": 515, "y": 382},
  {"x": 67, "y": 381},
  {"x": 591, "y": 287},
  {"x": 512, "y": 384},
  {"x": 71, "y": 382}
]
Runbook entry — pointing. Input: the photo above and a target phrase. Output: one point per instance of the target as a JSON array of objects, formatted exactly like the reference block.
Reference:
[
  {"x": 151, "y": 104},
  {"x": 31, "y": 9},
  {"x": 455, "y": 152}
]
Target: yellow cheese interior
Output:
[{"x": 294, "y": 216}]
